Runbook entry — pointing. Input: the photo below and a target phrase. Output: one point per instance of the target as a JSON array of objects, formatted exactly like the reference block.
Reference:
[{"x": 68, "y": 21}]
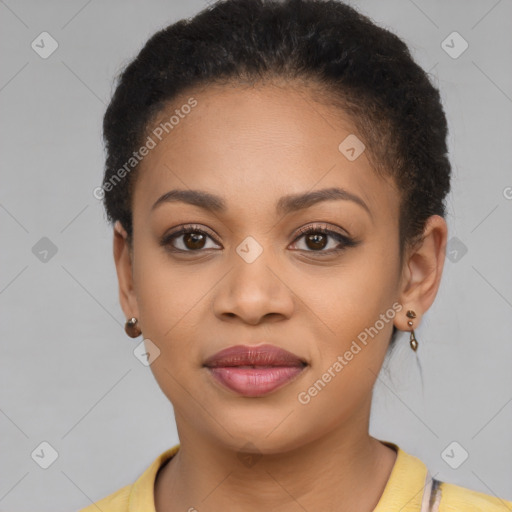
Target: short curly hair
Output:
[{"x": 357, "y": 66}]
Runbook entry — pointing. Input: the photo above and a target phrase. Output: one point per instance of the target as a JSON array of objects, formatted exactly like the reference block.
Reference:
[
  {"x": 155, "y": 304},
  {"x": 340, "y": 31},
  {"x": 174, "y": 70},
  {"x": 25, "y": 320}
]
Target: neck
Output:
[{"x": 339, "y": 471}]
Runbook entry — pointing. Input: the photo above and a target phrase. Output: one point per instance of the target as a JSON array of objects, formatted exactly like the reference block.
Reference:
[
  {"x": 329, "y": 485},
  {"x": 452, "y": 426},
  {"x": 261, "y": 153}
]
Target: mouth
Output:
[{"x": 254, "y": 370}]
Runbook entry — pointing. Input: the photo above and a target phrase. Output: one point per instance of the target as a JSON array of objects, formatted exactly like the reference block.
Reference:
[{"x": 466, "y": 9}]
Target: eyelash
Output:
[{"x": 192, "y": 228}]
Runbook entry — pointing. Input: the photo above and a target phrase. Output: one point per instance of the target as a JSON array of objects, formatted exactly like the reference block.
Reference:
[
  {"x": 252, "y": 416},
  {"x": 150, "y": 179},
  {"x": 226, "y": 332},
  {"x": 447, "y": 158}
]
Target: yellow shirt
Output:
[{"x": 410, "y": 488}]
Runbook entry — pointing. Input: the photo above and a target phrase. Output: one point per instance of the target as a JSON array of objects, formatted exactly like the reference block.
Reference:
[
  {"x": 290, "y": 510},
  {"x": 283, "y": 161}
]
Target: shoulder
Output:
[
  {"x": 456, "y": 498},
  {"x": 136, "y": 496},
  {"x": 116, "y": 502},
  {"x": 410, "y": 474}
]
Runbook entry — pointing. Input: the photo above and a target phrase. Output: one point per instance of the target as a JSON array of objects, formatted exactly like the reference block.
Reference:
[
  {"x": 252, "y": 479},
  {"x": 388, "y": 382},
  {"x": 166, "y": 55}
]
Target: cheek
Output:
[
  {"x": 169, "y": 294},
  {"x": 169, "y": 298},
  {"x": 351, "y": 296},
  {"x": 325, "y": 402},
  {"x": 352, "y": 306}
]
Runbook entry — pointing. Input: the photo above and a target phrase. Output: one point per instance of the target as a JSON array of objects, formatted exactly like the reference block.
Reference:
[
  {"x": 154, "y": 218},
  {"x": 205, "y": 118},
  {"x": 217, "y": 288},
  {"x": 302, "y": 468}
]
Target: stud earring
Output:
[
  {"x": 131, "y": 328},
  {"x": 412, "y": 341}
]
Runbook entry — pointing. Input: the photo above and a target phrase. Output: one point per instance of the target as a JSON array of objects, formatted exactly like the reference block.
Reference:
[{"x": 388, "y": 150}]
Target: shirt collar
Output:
[
  {"x": 404, "y": 490},
  {"x": 142, "y": 495},
  {"x": 407, "y": 483}
]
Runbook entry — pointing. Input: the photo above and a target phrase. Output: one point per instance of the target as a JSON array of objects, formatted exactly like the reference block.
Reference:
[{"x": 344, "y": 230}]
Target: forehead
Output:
[{"x": 254, "y": 144}]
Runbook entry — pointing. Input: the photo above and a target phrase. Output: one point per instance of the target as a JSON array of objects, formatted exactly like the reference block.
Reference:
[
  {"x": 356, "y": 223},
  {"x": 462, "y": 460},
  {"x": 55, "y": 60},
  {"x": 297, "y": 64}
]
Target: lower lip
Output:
[{"x": 255, "y": 381}]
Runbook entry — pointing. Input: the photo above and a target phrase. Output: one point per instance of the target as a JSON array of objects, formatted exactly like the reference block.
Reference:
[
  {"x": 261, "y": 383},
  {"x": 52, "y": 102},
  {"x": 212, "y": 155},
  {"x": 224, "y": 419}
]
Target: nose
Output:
[{"x": 254, "y": 290}]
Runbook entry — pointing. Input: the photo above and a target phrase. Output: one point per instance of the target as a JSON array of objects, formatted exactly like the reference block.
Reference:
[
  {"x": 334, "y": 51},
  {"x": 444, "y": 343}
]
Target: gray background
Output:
[{"x": 68, "y": 373}]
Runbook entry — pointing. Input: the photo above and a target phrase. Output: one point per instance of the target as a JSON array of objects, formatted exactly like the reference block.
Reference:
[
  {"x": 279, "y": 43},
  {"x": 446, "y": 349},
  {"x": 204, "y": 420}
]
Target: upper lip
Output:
[{"x": 260, "y": 355}]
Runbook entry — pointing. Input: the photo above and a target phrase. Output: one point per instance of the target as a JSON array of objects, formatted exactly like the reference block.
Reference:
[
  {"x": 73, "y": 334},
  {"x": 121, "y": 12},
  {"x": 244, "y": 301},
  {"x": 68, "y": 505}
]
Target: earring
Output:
[
  {"x": 131, "y": 328},
  {"x": 412, "y": 341}
]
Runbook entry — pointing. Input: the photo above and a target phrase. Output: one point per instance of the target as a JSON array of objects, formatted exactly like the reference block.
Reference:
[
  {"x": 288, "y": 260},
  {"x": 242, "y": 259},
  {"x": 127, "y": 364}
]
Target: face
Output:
[{"x": 245, "y": 274}]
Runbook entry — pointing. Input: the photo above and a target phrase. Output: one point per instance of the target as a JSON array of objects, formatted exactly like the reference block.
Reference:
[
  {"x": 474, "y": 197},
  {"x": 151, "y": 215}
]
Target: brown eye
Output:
[
  {"x": 194, "y": 240},
  {"x": 187, "y": 239},
  {"x": 317, "y": 238}
]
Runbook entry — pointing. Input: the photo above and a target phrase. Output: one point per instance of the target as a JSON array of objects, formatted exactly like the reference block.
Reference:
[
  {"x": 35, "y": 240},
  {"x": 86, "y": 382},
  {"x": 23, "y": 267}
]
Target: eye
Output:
[
  {"x": 316, "y": 239},
  {"x": 194, "y": 239}
]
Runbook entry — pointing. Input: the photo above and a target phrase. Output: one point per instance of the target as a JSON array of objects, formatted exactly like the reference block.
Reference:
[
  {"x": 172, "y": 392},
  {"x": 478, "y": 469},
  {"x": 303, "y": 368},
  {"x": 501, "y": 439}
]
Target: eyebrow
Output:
[{"x": 285, "y": 205}]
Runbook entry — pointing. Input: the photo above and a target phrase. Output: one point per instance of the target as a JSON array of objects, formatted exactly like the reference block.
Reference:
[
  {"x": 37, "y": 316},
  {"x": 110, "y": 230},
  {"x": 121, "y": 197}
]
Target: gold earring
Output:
[
  {"x": 412, "y": 341},
  {"x": 131, "y": 328}
]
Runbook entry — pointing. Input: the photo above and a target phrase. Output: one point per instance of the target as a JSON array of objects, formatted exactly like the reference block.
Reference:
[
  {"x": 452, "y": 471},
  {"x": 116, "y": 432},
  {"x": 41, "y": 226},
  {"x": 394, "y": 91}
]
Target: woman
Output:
[{"x": 276, "y": 176}]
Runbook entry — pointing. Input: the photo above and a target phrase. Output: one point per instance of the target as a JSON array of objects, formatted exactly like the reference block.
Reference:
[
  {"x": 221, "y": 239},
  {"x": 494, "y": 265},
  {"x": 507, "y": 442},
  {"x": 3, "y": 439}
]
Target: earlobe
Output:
[
  {"x": 423, "y": 270},
  {"x": 123, "y": 262}
]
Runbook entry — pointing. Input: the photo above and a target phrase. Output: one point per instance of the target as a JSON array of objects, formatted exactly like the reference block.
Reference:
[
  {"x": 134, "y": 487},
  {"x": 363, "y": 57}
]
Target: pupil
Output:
[
  {"x": 315, "y": 239},
  {"x": 195, "y": 239}
]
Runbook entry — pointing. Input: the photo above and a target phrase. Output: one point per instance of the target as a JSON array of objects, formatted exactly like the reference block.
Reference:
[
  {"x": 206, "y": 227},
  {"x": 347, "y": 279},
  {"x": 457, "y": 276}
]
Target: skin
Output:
[{"x": 251, "y": 146}]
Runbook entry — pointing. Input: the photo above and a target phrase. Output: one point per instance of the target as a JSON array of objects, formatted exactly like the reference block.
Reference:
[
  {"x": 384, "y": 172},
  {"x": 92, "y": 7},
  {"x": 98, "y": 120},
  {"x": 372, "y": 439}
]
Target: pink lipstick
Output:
[{"x": 254, "y": 370}]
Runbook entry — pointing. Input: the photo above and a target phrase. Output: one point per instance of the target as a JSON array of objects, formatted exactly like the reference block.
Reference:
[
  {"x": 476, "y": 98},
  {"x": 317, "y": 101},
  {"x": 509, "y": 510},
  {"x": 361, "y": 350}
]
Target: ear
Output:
[
  {"x": 422, "y": 271},
  {"x": 123, "y": 261}
]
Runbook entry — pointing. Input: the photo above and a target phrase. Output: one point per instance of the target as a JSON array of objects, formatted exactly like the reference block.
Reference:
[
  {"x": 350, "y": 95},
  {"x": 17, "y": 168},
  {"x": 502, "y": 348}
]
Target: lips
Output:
[
  {"x": 261, "y": 355},
  {"x": 254, "y": 370}
]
